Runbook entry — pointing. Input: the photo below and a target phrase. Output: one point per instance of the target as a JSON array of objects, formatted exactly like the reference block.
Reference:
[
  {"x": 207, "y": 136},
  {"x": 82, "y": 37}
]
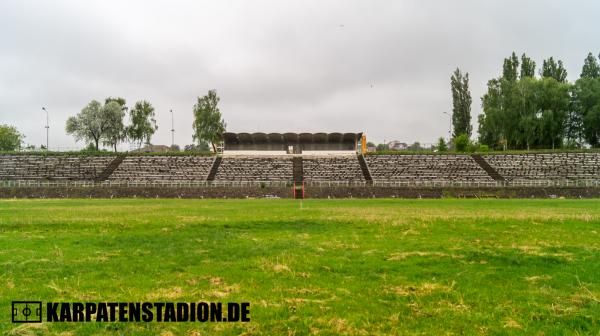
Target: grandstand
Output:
[
  {"x": 162, "y": 168},
  {"x": 563, "y": 166},
  {"x": 333, "y": 168},
  {"x": 327, "y": 167},
  {"x": 304, "y": 159},
  {"x": 41, "y": 167},
  {"x": 426, "y": 168},
  {"x": 290, "y": 143},
  {"x": 248, "y": 168}
]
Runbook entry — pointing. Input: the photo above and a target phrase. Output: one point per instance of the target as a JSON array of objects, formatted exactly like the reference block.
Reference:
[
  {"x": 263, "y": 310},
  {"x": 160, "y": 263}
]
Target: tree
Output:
[
  {"x": 498, "y": 125},
  {"x": 116, "y": 129},
  {"x": 553, "y": 105},
  {"x": 118, "y": 132},
  {"x": 591, "y": 69},
  {"x": 121, "y": 101},
  {"x": 574, "y": 128},
  {"x": 526, "y": 112},
  {"x": 142, "y": 123},
  {"x": 525, "y": 103},
  {"x": 441, "y": 145},
  {"x": 586, "y": 103},
  {"x": 491, "y": 127},
  {"x": 592, "y": 126},
  {"x": 527, "y": 67},
  {"x": 95, "y": 122},
  {"x": 510, "y": 68},
  {"x": 554, "y": 70},
  {"x": 208, "y": 124},
  {"x": 461, "y": 103},
  {"x": 10, "y": 138}
]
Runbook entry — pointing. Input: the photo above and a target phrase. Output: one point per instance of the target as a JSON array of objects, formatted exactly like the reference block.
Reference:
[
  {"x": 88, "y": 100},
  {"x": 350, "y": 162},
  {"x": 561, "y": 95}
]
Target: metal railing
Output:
[
  {"x": 166, "y": 184},
  {"x": 490, "y": 184},
  {"x": 590, "y": 183}
]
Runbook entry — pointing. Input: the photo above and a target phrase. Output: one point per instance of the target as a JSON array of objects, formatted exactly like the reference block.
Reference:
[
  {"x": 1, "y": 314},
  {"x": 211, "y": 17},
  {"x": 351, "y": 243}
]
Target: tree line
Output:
[
  {"x": 99, "y": 123},
  {"x": 105, "y": 124},
  {"x": 523, "y": 109}
]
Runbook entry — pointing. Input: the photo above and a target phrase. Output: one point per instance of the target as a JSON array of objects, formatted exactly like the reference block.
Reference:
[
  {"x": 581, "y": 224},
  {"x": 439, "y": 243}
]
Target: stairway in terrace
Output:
[
  {"x": 112, "y": 166},
  {"x": 214, "y": 168},
  {"x": 298, "y": 172},
  {"x": 365, "y": 169},
  {"x": 488, "y": 169}
]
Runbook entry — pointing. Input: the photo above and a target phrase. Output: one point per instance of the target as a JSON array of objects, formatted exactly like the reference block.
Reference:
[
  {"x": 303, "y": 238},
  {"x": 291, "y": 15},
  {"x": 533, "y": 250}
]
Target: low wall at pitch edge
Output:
[{"x": 310, "y": 192}]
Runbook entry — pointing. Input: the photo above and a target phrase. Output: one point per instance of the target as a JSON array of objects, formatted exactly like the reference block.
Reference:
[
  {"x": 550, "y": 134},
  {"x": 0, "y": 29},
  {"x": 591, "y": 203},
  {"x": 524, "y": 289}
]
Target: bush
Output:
[
  {"x": 441, "y": 145},
  {"x": 474, "y": 147},
  {"x": 10, "y": 138},
  {"x": 89, "y": 148},
  {"x": 462, "y": 142},
  {"x": 415, "y": 147},
  {"x": 382, "y": 147},
  {"x": 201, "y": 147},
  {"x": 484, "y": 148}
]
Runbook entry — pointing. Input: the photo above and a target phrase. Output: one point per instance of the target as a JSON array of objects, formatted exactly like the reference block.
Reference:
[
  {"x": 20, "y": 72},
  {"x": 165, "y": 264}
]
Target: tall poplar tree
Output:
[
  {"x": 527, "y": 67},
  {"x": 591, "y": 69},
  {"x": 555, "y": 70},
  {"x": 586, "y": 102},
  {"x": 510, "y": 69},
  {"x": 461, "y": 103}
]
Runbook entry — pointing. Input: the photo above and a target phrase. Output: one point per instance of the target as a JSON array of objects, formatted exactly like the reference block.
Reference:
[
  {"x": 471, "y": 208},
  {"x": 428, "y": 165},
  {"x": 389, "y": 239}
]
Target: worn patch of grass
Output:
[{"x": 357, "y": 267}]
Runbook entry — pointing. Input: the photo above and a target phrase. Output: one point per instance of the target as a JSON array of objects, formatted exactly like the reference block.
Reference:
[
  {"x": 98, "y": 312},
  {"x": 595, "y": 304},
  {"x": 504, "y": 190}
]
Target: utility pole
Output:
[
  {"x": 450, "y": 129},
  {"x": 172, "y": 130},
  {"x": 47, "y": 128}
]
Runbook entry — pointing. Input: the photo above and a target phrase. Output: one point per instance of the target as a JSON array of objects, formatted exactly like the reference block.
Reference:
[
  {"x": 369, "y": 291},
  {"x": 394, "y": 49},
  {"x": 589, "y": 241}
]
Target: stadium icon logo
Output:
[{"x": 27, "y": 311}]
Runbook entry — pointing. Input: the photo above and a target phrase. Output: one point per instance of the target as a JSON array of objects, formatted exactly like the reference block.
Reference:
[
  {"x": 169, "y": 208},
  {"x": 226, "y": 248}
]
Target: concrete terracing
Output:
[{"x": 486, "y": 169}]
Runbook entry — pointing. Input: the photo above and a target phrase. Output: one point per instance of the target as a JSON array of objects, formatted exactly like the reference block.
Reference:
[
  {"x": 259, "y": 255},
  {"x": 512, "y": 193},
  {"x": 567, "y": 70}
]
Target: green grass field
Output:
[{"x": 363, "y": 267}]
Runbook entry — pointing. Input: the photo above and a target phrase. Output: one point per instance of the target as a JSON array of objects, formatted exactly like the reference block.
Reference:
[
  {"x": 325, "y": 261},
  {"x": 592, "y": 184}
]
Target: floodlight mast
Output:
[
  {"x": 450, "y": 129},
  {"x": 172, "y": 130},
  {"x": 47, "y": 128}
]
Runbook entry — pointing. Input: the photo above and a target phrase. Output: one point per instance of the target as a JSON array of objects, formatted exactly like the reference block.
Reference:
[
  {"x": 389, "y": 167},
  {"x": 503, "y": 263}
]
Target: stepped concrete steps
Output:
[
  {"x": 215, "y": 167},
  {"x": 493, "y": 173},
  {"x": 298, "y": 169},
  {"x": 112, "y": 166},
  {"x": 364, "y": 167}
]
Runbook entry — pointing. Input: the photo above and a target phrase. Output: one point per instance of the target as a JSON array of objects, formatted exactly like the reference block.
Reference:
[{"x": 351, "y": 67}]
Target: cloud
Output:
[{"x": 377, "y": 66}]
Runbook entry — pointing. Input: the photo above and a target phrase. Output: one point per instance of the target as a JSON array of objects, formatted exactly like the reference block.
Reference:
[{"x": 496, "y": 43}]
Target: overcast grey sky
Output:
[{"x": 377, "y": 66}]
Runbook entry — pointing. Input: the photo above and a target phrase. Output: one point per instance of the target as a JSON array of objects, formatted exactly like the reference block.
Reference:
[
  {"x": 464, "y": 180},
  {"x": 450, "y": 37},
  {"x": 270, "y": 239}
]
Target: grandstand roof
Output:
[{"x": 279, "y": 141}]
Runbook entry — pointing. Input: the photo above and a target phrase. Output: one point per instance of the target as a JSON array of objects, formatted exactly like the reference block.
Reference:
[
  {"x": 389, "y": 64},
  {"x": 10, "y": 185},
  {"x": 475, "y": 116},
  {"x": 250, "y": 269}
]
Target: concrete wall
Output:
[{"x": 282, "y": 192}]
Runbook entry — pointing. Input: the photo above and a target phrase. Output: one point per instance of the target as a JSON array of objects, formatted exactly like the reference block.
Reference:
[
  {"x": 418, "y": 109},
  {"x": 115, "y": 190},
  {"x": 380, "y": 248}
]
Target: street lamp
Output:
[
  {"x": 172, "y": 130},
  {"x": 450, "y": 129},
  {"x": 47, "y": 127}
]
